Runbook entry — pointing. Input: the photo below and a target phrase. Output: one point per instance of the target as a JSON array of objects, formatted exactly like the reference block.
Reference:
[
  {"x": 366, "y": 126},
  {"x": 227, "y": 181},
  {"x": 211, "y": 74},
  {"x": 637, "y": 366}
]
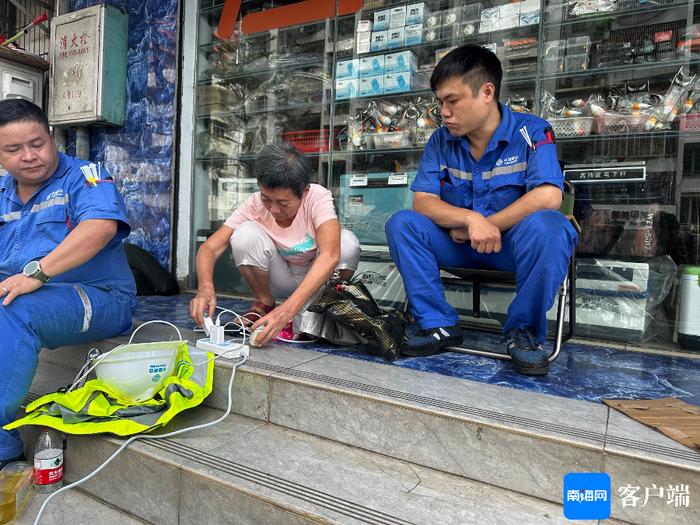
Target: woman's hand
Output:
[
  {"x": 271, "y": 324},
  {"x": 204, "y": 301}
]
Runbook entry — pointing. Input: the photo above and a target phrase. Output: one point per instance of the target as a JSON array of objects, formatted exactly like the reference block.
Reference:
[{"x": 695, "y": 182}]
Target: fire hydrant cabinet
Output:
[{"x": 87, "y": 79}]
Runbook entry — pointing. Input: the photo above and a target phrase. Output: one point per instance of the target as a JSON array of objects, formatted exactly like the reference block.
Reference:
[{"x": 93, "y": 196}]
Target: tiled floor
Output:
[{"x": 584, "y": 372}]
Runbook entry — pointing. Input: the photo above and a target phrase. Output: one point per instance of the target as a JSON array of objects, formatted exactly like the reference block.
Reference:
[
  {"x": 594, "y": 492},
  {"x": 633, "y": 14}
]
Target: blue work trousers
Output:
[
  {"x": 52, "y": 316},
  {"x": 537, "y": 249}
]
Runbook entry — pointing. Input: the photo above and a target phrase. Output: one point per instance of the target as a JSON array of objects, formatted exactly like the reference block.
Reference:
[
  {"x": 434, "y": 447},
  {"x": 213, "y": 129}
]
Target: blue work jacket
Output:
[
  {"x": 508, "y": 169},
  {"x": 31, "y": 230}
]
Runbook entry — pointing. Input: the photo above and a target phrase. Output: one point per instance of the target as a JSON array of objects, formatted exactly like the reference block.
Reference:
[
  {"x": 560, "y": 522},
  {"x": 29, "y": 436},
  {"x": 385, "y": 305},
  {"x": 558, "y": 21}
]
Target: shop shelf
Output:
[
  {"x": 663, "y": 5},
  {"x": 647, "y": 69},
  {"x": 254, "y": 73},
  {"x": 242, "y": 112}
]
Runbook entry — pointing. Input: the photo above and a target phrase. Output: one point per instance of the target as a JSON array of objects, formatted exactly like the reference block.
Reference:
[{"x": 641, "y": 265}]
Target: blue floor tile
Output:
[{"x": 585, "y": 372}]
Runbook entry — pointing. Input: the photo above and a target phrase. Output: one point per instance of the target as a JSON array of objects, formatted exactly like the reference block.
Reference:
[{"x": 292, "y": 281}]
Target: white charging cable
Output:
[
  {"x": 246, "y": 329},
  {"x": 150, "y": 436}
]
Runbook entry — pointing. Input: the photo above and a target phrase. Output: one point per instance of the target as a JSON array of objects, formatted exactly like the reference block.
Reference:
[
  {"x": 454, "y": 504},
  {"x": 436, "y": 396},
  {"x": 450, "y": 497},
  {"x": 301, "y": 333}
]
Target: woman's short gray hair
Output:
[{"x": 281, "y": 165}]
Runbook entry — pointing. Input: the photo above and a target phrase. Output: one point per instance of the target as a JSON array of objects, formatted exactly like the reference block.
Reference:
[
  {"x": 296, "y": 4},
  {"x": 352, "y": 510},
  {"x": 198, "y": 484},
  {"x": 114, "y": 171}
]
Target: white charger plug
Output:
[{"x": 217, "y": 335}]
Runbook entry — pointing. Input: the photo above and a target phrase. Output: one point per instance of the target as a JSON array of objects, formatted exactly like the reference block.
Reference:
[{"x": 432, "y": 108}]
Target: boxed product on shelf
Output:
[
  {"x": 509, "y": 16},
  {"x": 577, "y": 62},
  {"x": 664, "y": 48},
  {"x": 556, "y": 10},
  {"x": 398, "y": 82},
  {"x": 372, "y": 86},
  {"x": 465, "y": 28},
  {"x": 397, "y": 17},
  {"x": 421, "y": 78},
  {"x": 689, "y": 122},
  {"x": 364, "y": 26},
  {"x": 366, "y": 201},
  {"x": 451, "y": 16},
  {"x": 215, "y": 99},
  {"x": 554, "y": 48},
  {"x": 433, "y": 20},
  {"x": 346, "y": 88},
  {"x": 347, "y": 68},
  {"x": 613, "y": 54},
  {"x": 521, "y": 67},
  {"x": 489, "y": 19},
  {"x": 528, "y": 18},
  {"x": 395, "y": 38},
  {"x": 370, "y": 66},
  {"x": 401, "y": 61},
  {"x": 520, "y": 48},
  {"x": 417, "y": 13},
  {"x": 431, "y": 34},
  {"x": 578, "y": 45},
  {"x": 624, "y": 230},
  {"x": 378, "y": 42},
  {"x": 364, "y": 42},
  {"x": 231, "y": 192},
  {"x": 413, "y": 34},
  {"x": 471, "y": 11},
  {"x": 381, "y": 20},
  {"x": 553, "y": 64}
]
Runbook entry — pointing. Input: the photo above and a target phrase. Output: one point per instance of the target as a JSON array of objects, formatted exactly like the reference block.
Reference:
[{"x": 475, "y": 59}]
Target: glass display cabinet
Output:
[{"x": 617, "y": 79}]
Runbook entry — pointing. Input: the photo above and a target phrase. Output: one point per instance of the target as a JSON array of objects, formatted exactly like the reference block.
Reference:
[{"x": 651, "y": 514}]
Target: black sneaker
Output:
[
  {"x": 529, "y": 358},
  {"x": 431, "y": 341},
  {"x": 4, "y": 462}
]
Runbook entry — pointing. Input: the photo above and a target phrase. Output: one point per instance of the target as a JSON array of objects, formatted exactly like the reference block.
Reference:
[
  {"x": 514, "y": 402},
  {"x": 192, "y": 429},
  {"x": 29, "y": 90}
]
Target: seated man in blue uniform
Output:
[
  {"x": 486, "y": 196},
  {"x": 64, "y": 278}
]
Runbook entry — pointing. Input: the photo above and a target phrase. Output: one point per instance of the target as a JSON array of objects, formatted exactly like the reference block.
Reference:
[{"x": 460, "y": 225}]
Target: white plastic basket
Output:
[
  {"x": 391, "y": 140},
  {"x": 572, "y": 126},
  {"x": 422, "y": 135}
]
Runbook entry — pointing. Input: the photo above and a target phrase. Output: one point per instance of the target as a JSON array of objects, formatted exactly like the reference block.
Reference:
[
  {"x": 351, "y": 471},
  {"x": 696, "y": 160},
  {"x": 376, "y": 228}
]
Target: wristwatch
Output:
[{"x": 33, "y": 269}]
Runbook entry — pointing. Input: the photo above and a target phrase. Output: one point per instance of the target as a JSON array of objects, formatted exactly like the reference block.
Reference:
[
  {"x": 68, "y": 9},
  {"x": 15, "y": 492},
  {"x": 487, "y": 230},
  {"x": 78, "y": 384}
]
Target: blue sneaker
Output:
[
  {"x": 528, "y": 356},
  {"x": 431, "y": 341}
]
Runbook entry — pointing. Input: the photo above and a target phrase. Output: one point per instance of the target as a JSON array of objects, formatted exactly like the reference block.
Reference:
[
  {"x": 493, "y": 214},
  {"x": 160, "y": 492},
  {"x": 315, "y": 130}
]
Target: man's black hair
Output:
[
  {"x": 281, "y": 165},
  {"x": 475, "y": 64},
  {"x": 20, "y": 110}
]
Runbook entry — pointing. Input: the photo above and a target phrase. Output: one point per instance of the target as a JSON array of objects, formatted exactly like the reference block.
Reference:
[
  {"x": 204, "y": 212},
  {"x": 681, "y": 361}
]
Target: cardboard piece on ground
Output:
[{"x": 672, "y": 417}]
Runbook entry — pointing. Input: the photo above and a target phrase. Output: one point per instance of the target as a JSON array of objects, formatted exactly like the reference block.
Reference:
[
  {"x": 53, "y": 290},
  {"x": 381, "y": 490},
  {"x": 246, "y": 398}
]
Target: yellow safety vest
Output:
[{"x": 94, "y": 409}]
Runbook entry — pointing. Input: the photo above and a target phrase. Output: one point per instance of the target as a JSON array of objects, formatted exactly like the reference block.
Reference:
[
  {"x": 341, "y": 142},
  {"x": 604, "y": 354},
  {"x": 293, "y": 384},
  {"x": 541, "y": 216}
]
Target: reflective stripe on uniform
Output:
[
  {"x": 87, "y": 308},
  {"x": 465, "y": 175},
  {"x": 56, "y": 201},
  {"x": 504, "y": 170}
]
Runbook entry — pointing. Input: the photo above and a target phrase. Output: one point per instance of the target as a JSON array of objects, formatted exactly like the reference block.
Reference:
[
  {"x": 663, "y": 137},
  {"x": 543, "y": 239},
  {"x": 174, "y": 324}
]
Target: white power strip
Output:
[{"x": 229, "y": 349}]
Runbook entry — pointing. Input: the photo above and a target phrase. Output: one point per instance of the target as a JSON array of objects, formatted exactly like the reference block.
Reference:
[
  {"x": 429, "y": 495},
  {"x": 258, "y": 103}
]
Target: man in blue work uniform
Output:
[
  {"x": 486, "y": 196},
  {"x": 64, "y": 278}
]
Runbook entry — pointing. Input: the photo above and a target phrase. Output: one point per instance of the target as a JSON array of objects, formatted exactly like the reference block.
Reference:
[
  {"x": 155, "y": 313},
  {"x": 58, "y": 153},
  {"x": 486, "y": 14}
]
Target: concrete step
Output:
[
  {"x": 517, "y": 440},
  {"x": 75, "y": 507},
  {"x": 248, "y": 471}
]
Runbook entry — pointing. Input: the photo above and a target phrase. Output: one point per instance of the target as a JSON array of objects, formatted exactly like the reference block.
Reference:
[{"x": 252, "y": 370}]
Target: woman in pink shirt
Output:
[{"x": 286, "y": 241}]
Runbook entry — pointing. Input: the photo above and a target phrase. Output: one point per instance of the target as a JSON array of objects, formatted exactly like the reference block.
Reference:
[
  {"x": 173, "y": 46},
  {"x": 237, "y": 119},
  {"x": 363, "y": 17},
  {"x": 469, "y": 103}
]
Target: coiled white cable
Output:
[{"x": 150, "y": 436}]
